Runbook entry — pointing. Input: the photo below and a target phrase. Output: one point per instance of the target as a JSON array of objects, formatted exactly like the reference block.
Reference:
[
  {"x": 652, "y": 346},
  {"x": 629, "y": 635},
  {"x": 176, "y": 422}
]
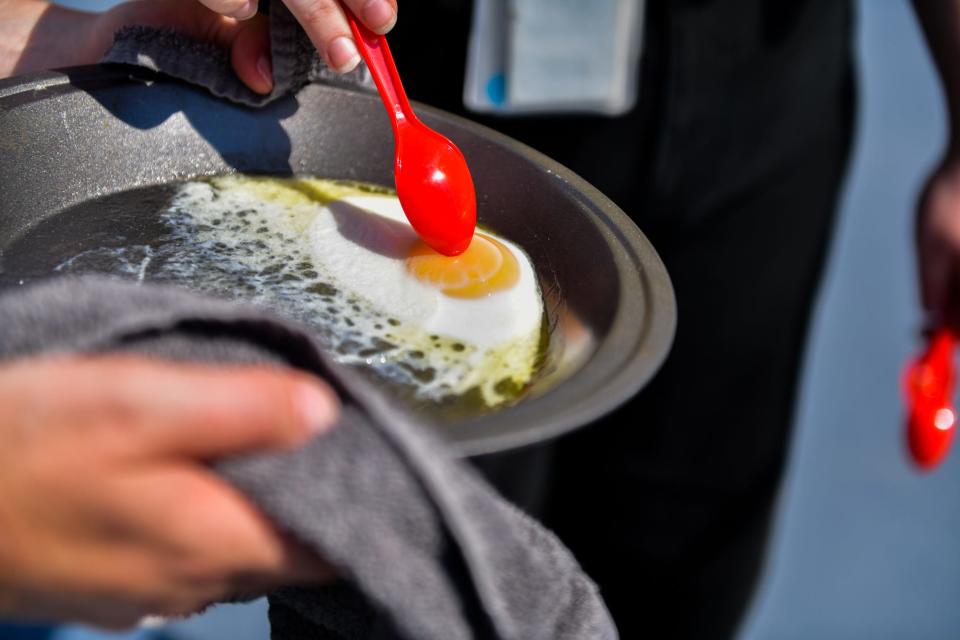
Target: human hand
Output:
[
  {"x": 325, "y": 22},
  {"x": 108, "y": 511},
  {"x": 235, "y": 26},
  {"x": 938, "y": 244},
  {"x": 32, "y": 32},
  {"x": 36, "y": 35}
]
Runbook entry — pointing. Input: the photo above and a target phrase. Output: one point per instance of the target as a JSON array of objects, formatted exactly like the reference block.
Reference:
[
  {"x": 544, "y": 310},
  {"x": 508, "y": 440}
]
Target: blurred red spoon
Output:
[
  {"x": 433, "y": 181},
  {"x": 929, "y": 385}
]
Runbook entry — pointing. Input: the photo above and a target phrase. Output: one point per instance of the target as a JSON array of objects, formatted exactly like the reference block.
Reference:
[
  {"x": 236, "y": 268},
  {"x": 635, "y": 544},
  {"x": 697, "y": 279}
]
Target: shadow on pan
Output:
[{"x": 86, "y": 136}]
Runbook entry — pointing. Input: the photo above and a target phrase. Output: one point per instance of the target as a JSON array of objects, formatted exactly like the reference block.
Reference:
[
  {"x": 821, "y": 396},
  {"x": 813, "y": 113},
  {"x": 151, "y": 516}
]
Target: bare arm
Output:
[{"x": 938, "y": 213}]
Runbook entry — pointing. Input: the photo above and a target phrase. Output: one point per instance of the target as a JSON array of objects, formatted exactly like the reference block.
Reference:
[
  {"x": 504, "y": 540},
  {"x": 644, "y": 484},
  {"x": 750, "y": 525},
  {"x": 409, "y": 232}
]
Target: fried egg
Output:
[{"x": 343, "y": 258}]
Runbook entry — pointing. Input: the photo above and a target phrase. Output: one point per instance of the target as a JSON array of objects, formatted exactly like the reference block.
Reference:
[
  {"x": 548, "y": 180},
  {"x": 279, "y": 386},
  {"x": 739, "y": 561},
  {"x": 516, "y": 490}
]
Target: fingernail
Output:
[
  {"x": 379, "y": 15},
  {"x": 265, "y": 69},
  {"x": 245, "y": 12},
  {"x": 317, "y": 408},
  {"x": 343, "y": 55}
]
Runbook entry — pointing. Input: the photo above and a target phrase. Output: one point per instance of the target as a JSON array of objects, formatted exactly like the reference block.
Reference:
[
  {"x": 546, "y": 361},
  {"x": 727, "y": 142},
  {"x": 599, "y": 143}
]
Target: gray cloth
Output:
[
  {"x": 294, "y": 59},
  {"x": 426, "y": 549}
]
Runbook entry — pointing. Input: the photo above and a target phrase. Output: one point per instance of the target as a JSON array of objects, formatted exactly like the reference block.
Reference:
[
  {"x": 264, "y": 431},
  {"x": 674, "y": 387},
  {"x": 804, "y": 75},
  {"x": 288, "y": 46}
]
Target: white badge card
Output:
[
  {"x": 485, "y": 85},
  {"x": 554, "y": 56}
]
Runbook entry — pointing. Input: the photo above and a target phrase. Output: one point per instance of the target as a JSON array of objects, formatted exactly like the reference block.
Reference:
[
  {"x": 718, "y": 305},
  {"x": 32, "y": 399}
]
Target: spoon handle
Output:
[{"x": 376, "y": 53}]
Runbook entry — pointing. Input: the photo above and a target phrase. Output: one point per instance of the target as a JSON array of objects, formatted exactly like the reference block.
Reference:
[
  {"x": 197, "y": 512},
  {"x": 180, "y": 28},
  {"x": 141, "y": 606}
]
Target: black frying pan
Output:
[{"x": 69, "y": 138}]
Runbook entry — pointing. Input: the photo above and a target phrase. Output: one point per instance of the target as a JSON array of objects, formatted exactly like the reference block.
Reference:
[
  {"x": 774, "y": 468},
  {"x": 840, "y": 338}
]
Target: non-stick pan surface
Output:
[{"x": 69, "y": 138}]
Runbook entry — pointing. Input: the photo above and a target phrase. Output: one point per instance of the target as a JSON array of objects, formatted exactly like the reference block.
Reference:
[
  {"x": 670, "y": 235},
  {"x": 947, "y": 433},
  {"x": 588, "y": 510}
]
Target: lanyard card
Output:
[
  {"x": 554, "y": 56},
  {"x": 485, "y": 85}
]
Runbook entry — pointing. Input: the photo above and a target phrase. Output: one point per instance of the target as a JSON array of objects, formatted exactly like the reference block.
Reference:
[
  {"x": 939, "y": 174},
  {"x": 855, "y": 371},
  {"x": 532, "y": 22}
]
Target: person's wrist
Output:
[{"x": 95, "y": 35}]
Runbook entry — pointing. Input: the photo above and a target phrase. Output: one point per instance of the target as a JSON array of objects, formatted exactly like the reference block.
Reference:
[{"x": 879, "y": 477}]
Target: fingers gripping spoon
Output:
[{"x": 433, "y": 182}]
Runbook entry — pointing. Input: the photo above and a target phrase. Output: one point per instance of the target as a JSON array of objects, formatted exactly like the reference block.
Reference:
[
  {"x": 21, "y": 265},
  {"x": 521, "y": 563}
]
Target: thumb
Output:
[
  {"x": 247, "y": 41},
  {"x": 250, "y": 53}
]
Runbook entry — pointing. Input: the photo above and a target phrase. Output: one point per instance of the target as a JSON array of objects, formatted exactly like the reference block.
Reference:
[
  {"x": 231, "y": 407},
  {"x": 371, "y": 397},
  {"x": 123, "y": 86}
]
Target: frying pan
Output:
[{"x": 81, "y": 136}]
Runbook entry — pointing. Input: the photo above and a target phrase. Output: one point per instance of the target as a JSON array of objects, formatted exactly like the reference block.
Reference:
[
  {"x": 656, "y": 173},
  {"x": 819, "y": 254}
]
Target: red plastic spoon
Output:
[
  {"x": 433, "y": 181},
  {"x": 929, "y": 385}
]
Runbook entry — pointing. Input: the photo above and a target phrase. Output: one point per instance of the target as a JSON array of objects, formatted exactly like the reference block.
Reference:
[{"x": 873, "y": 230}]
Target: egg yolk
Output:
[{"x": 487, "y": 266}]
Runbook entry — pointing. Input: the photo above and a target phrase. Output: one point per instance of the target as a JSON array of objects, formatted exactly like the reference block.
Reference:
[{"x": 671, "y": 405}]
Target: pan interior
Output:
[
  {"x": 147, "y": 235},
  {"x": 89, "y": 156}
]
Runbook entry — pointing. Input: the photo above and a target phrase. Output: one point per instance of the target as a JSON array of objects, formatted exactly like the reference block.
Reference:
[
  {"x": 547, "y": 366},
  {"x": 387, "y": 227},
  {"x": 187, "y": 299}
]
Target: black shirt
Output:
[{"x": 731, "y": 92}]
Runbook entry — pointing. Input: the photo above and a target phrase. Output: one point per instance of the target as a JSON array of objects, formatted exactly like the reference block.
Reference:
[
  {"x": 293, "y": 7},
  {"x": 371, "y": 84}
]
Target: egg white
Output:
[{"x": 363, "y": 242}]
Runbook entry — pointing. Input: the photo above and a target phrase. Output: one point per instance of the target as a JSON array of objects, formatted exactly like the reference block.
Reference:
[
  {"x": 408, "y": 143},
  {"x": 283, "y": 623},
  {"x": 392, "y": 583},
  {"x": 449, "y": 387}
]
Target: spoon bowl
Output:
[
  {"x": 433, "y": 181},
  {"x": 435, "y": 188}
]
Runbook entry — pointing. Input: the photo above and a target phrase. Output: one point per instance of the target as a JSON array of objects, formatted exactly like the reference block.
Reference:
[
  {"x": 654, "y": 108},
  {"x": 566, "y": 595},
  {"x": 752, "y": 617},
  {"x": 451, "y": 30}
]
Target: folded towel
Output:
[
  {"x": 426, "y": 549},
  {"x": 294, "y": 59}
]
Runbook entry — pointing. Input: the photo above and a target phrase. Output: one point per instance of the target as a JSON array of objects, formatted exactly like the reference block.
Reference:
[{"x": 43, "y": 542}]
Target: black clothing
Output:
[{"x": 731, "y": 164}]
